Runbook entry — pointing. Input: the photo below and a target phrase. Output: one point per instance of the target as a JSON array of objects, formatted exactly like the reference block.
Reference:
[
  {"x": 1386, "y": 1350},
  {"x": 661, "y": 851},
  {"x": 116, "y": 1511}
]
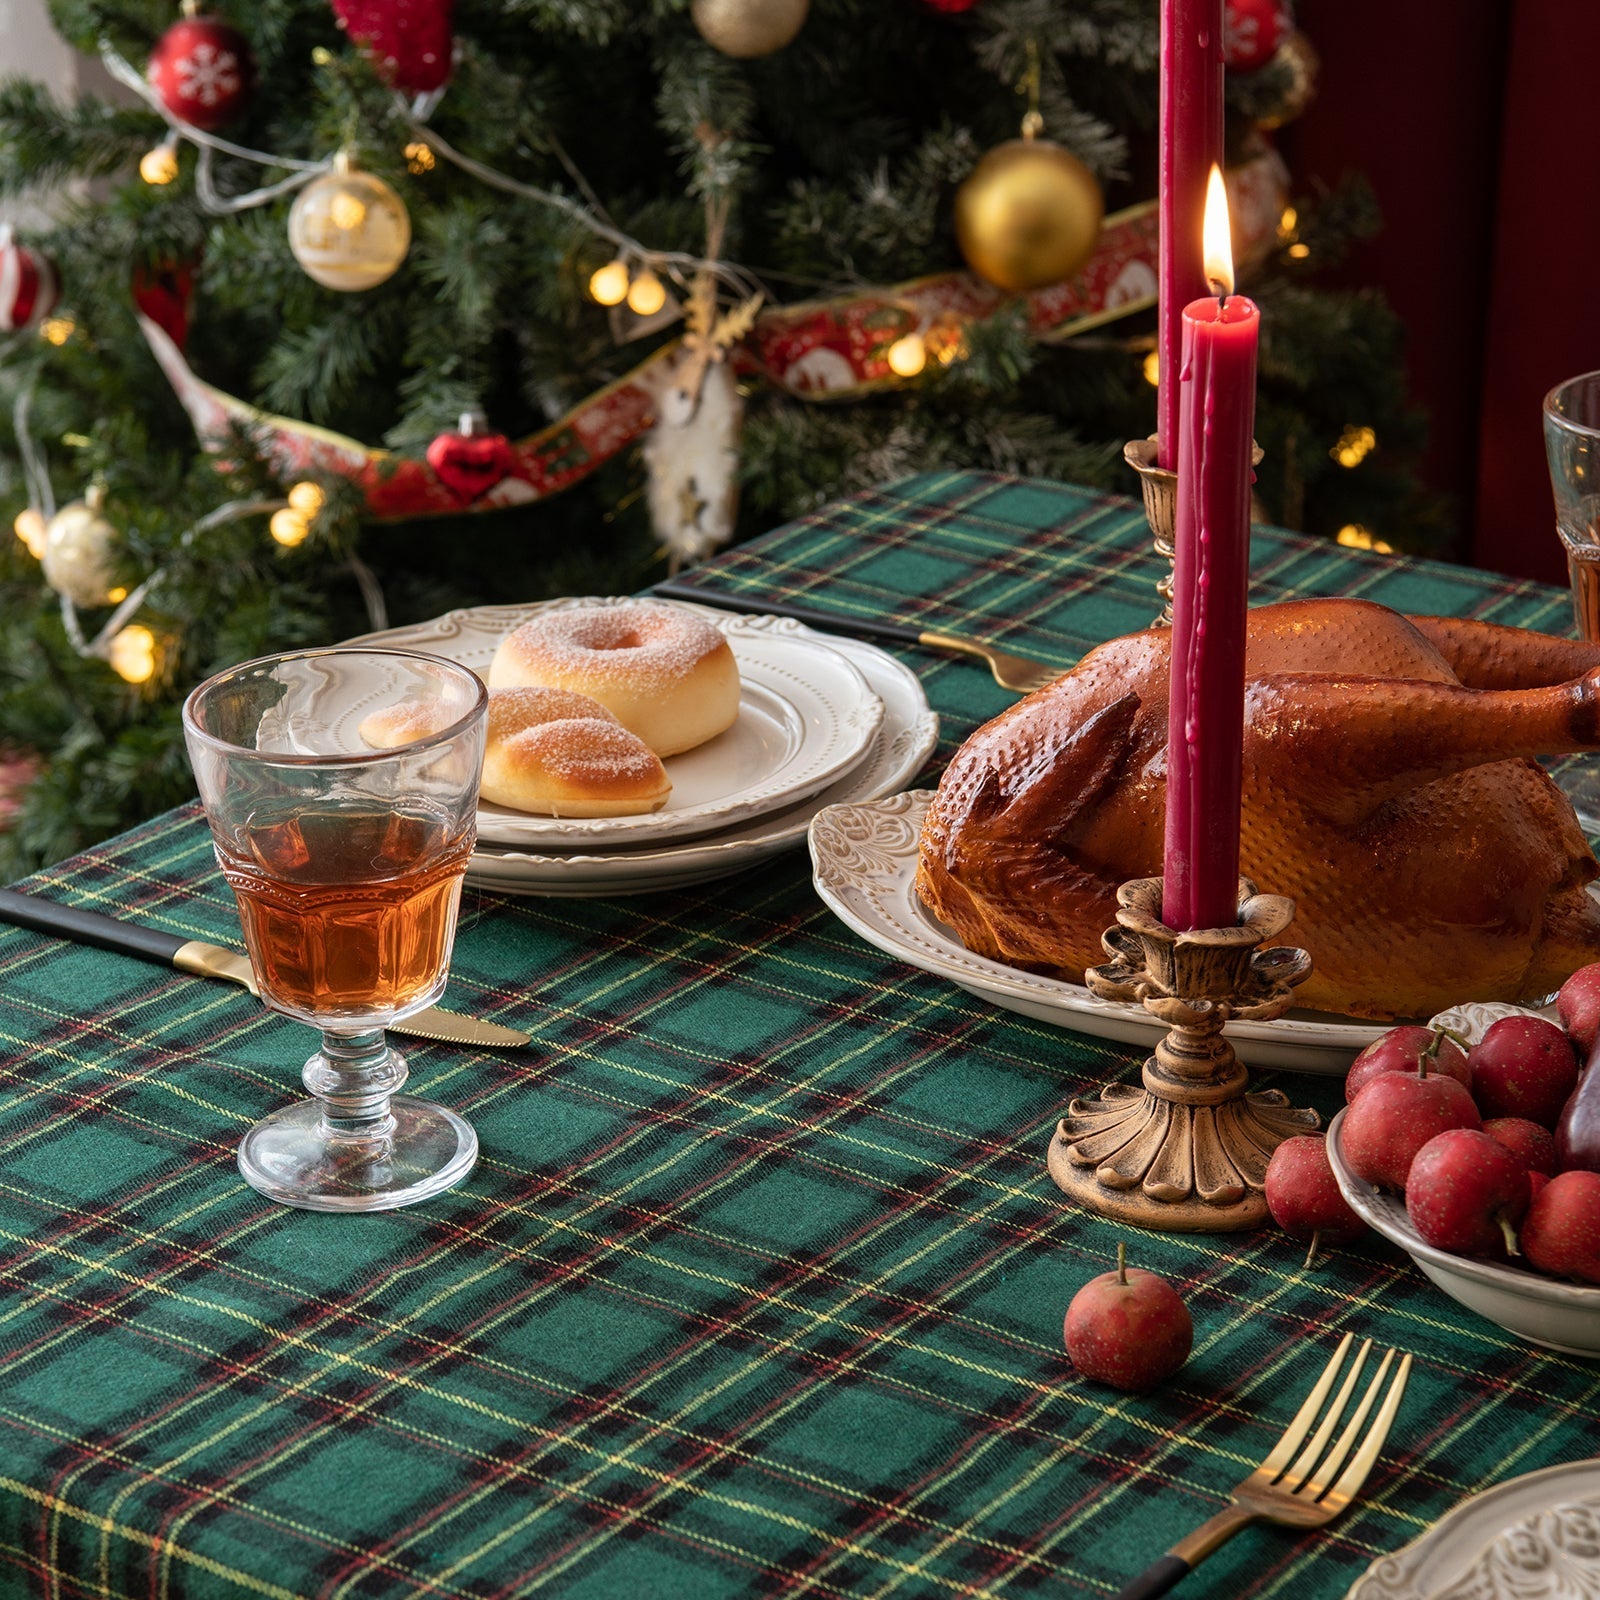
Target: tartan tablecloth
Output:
[{"x": 758, "y": 1286}]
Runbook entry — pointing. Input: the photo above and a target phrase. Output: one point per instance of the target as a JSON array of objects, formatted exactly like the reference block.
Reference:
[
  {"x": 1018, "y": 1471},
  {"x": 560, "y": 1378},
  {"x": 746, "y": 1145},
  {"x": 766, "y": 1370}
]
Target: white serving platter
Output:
[{"x": 806, "y": 716}]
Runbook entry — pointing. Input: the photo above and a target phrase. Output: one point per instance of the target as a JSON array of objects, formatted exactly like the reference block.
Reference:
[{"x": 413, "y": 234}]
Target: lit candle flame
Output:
[{"x": 1216, "y": 243}]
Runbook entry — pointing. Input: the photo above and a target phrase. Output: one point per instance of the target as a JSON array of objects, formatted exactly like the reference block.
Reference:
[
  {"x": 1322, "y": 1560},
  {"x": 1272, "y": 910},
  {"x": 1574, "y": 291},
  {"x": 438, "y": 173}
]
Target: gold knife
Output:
[{"x": 217, "y": 961}]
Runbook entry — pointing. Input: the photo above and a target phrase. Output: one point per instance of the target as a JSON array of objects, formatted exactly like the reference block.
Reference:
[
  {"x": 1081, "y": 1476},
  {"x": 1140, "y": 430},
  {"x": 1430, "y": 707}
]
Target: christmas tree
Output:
[{"x": 367, "y": 310}]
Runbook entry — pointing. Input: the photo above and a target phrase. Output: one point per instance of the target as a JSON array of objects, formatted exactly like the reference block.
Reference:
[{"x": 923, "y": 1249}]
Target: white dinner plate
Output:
[
  {"x": 1536, "y": 1537},
  {"x": 864, "y": 860},
  {"x": 904, "y": 742},
  {"x": 806, "y": 716}
]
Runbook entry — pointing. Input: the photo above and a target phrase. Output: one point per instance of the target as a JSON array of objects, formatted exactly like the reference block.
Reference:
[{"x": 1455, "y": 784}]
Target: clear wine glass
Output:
[
  {"x": 346, "y": 862},
  {"x": 1572, "y": 446}
]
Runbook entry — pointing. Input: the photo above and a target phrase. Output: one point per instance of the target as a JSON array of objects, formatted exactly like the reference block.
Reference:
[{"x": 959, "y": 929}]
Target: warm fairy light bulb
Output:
[
  {"x": 116, "y": 596},
  {"x": 132, "y": 653},
  {"x": 609, "y": 284},
  {"x": 908, "y": 355},
  {"x": 1299, "y": 252},
  {"x": 307, "y": 498},
  {"x": 289, "y": 527},
  {"x": 57, "y": 330},
  {"x": 1354, "y": 537},
  {"x": 646, "y": 294},
  {"x": 1354, "y": 446},
  {"x": 419, "y": 158},
  {"x": 29, "y": 528},
  {"x": 1216, "y": 246},
  {"x": 160, "y": 165},
  {"x": 1288, "y": 222},
  {"x": 1152, "y": 369}
]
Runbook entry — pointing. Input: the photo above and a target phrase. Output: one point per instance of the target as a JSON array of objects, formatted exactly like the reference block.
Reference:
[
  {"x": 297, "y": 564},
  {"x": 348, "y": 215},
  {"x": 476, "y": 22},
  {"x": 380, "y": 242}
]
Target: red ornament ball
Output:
[
  {"x": 204, "y": 71},
  {"x": 1252, "y": 30},
  {"x": 951, "y": 5},
  {"x": 29, "y": 285},
  {"x": 410, "y": 42},
  {"x": 471, "y": 461}
]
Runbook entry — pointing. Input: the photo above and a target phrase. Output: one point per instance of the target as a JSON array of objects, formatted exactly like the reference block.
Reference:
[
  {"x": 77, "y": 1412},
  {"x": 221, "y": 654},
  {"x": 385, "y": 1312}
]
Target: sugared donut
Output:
[{"x": 667, "y": 674}]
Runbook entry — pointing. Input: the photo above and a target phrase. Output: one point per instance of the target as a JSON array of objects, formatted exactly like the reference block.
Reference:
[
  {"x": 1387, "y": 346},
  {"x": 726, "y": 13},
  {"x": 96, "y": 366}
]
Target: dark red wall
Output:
[{"x": 1473, "y": 120}]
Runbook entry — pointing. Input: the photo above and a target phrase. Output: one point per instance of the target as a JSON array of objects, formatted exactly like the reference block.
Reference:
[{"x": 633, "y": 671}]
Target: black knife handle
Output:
[
  {"x": 89, "y": 927},
  {"x": 829, "y": 621}
]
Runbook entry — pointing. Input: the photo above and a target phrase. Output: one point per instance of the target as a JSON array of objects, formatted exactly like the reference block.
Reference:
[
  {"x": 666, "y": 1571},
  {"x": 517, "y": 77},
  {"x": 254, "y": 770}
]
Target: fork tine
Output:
[
  {"x": 1353, "y": 1476},
  {"x": 1289, "y": 1442},
  {"x": 1296, "y": 1476},
  {"x": 1312, "y": 1489}
]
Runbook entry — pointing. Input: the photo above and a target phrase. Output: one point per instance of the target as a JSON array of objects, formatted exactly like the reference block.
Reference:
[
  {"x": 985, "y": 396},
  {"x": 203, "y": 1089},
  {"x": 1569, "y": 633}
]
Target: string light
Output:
[
  {"x": 1288, "y": 222},
  {"x": 1354, "y": 446},
  {"x": 1299, "y": 251},
  {"x": 160, "y": 165},
  {"x": 307, "y": 498},
  {"x": 57, "y": 330},
  {"x": 118, "y": 595},
  {"x": 609, "y": 284},
  {"x": 132, "y": 653},
  {"x": 419, "y": 158},
  {"x": 29, "y": 528},
  {"x": 646, "y": 294},
  {"x": 908, "y": 355},
  {"x": 1354, "y": 537},
  {"x": 1152, "y": 369},
  {"x": 289, "y": 527}
]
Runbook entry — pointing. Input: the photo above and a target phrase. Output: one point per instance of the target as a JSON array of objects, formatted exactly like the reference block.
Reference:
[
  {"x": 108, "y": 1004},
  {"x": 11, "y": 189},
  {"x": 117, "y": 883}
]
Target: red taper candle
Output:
[
  {"x": 1205, "y": 716},
  {"x": 1190, "y": 145}
]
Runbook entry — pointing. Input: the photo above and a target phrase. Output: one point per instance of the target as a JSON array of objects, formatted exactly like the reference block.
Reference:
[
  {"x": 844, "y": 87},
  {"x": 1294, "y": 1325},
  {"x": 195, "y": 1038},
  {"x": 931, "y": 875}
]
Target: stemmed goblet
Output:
[
  {"x": 1572, "y": 447},
  {"x": 346, "y": 861}
]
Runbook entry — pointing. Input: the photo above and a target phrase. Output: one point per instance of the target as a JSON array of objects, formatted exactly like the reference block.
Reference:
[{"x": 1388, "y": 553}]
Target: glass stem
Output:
[{"x": 352, "y": 1076}]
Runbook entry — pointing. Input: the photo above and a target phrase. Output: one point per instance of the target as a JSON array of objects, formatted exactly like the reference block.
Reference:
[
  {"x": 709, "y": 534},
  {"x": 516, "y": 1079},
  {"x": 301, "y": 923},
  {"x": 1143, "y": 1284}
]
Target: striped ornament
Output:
[{"x": 29, "y": 285}]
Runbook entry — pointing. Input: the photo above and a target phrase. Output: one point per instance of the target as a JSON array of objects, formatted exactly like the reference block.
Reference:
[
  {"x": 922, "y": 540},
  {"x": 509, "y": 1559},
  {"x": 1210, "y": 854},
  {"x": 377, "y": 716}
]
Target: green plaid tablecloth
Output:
[{"x": 758, "y": 1287}]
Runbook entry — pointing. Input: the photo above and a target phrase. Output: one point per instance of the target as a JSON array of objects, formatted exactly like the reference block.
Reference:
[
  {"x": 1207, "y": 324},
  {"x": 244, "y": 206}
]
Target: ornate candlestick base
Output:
[
  {"x": 1188, "y": 1152},
  {"x": 1160, "y": 485}
]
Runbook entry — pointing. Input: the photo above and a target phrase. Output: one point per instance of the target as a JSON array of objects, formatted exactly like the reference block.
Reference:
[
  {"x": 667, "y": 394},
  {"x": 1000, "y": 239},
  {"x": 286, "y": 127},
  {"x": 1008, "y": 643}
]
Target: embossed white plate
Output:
[
  {"x": 806, "y": 716},
  {"x": 1533, "y": 1538},
  {"x": 864, "y": 861},
  {"x": 904, "y": 741}
]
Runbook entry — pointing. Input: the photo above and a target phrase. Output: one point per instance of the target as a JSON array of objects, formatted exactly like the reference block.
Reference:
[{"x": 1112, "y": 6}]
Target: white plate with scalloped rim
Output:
[
  {"x": 864, "y": 860},
  {"x": 904, "y": 742},
  {"x": 1532, "y": 1538},
  {"x": 806, "y": 716}
]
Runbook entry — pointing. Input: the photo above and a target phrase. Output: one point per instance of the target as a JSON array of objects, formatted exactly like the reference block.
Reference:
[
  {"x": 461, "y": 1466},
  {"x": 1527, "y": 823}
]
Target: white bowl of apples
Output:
[{"x": 1484, "y": 1166}]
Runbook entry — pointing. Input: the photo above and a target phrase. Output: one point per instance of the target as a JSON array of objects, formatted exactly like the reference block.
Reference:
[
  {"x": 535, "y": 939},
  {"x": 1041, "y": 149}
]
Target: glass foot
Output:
[{"x": 293, "y": 1157}]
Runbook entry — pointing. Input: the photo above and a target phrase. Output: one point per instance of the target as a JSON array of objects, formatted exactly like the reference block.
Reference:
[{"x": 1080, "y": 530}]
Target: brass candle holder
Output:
[
  {"x": 1160, "y": 485},
  {"x": 1188, "y": 1152}
]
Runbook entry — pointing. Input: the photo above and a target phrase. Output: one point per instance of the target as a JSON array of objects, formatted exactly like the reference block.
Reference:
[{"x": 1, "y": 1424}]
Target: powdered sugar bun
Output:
[
  {"x": 574, "y": 767},
  {"x": 667, "y": 674},
  {"x": 405, "y": 722}
]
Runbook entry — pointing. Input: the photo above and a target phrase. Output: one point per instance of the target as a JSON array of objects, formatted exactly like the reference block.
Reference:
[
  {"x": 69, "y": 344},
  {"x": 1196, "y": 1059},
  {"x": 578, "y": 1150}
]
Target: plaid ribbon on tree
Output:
[{"x": 758, "y": 1286}]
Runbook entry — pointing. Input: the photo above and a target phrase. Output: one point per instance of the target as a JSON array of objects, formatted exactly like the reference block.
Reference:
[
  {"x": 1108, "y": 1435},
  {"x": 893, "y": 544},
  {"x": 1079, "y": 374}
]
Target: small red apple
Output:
[
  {"x": 1562, "y": 1233},
  {"x": 1523, "y": 1067},
  {"x": 1536, "y": 1181},
  {"x": 1467, "y": 1192},
  {"x": 1128, "y": 1328},
  {"x": 1399, "y": 1050},
  {"x": 1303, "y": 1194},
  {"x": 1536, "y": 1145},
  {"x": 1394, "y": 1116},
  {"x": 1578, "y": 1005}
]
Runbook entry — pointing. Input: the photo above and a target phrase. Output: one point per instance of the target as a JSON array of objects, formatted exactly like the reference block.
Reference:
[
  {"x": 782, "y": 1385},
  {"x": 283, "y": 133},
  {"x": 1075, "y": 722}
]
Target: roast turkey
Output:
[{"x": 1389, "y": 788}]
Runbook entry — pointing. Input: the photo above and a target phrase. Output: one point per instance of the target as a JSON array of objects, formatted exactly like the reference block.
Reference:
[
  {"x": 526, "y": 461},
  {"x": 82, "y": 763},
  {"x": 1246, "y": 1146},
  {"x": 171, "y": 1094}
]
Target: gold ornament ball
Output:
[
  {"x": 78, "y": 559},
  {"x": 1028, "y": 215},
  {"x": 746, "y": 28},
  {"x": 349, "y": 230}
]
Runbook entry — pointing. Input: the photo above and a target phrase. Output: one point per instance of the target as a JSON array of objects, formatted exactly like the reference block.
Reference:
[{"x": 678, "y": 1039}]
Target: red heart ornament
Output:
[
  {"x": 410, "y": 41},
  {"x": 471, "y": 464}
]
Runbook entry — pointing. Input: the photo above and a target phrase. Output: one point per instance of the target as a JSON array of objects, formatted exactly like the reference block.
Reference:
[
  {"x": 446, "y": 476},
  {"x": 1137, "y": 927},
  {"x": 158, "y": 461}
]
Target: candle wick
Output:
[{"x": 1220, "y": 290}]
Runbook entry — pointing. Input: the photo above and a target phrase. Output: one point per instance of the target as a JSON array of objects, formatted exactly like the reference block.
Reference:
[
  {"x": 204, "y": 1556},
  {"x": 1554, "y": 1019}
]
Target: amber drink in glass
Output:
[
  {"x": 1572, "y": 447},
  {"x": 346, "y": 862}
]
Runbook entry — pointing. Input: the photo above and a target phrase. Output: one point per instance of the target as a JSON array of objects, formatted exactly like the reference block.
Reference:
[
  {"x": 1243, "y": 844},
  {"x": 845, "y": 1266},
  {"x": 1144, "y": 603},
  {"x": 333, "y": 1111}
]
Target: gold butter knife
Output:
[{"x": 217, "y": 961}]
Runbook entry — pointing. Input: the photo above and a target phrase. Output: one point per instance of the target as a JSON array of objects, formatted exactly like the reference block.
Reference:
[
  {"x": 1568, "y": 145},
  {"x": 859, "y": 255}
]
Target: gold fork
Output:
[
  {"x": 1297, "y": 1490},
  {"x": 1019, "y": 674}
]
